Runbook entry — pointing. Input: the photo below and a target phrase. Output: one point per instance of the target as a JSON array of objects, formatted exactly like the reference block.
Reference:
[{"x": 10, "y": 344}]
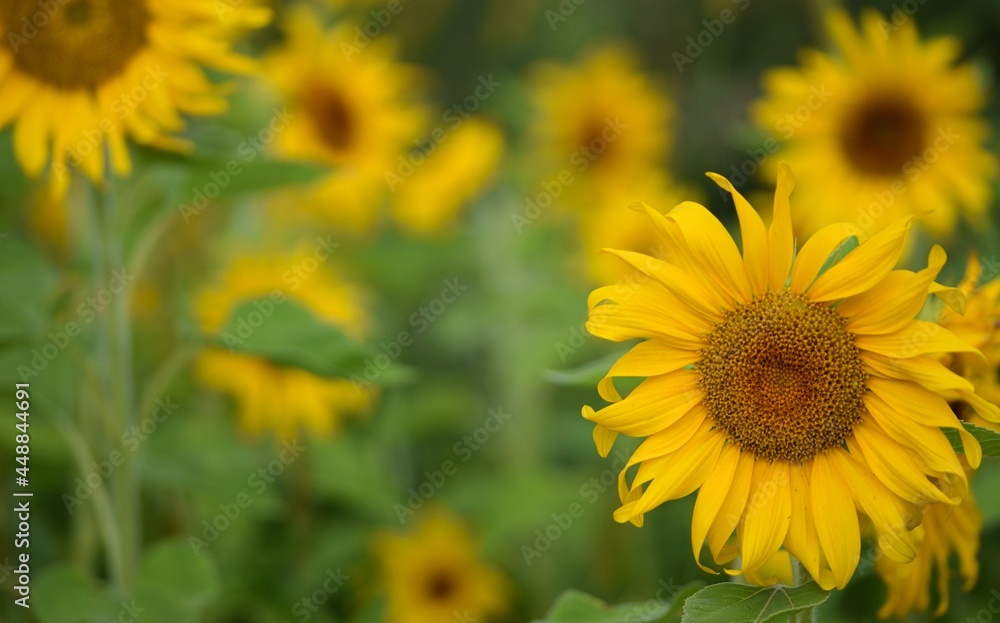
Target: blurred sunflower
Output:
[
  {"x": 946, "y": 529},
  {"x": 866, "y": 136},
  {"x": 353, "y": 110},
  {"x": 600, "y": 118},
  {"x": 82, "y": 75},
  {"x": 453, "y": 174},
  {"x": 767, "y": 388},
  {"x": 271, "y": 396},
  {"x": 433, "y": 574}
]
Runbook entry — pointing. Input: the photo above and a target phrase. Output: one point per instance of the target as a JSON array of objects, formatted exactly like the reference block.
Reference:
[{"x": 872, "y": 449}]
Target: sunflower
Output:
[
  {"x": 946, "y": 529},
  {"x": 271, "y": 396},
  {"x": 600, "y": 118},
  {"x": 433, "y": 574},
  {"x": 870, "y": 139},
  {"x": 453, "y": 174},
  {"x": 80, "y": 76},
  {"x": 792, "y": 394},
  {"x": 353, "y": 110}
]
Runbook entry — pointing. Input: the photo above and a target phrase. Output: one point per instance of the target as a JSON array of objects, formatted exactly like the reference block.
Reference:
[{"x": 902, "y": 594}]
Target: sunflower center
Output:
[
  {"x": 74, "y": 44},
  {"x": 783, "y": 378},
  {"x": 882, "y": 135},
  {"x": 441, "y": 586},
  {"x": 332, "y": 116}
]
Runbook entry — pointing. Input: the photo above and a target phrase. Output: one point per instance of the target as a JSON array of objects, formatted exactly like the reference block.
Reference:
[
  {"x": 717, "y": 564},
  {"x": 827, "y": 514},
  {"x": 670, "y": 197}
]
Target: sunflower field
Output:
[{"x": 499, "y": 311}]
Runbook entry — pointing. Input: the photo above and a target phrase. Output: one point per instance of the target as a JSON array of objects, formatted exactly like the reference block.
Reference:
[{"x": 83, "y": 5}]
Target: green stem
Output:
[{"x": 800, "y": 577}]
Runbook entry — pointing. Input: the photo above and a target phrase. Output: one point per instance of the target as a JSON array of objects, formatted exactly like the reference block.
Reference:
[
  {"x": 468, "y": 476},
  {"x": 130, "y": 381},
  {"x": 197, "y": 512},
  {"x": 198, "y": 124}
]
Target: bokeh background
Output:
[{"x": 409, "y": 418}]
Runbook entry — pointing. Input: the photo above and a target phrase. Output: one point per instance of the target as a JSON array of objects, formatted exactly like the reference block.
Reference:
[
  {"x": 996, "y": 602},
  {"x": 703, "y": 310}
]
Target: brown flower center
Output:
[
  {"x": 882, "y": 135},
  {"x": 73, "y": 44},
  {"x": 783, "y": 378},
  {"x": 441, "y": 586},
  {"x": 333, "y": 117}
]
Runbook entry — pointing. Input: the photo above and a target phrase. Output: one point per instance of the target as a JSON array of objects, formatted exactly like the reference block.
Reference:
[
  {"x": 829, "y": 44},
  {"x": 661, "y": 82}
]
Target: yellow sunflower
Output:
[
  {"x": 793, "y": 395},
  {"x": 79, "y": 76},
  {"x": 600, "y": 118},
  {"x": 433, "y": 574},
  {"x": 887, "y": 127},
  {"x": 353, "y": 110},
  {"x": 946, "y": 529},
  {"x": 453, "y": 174},
  {"x": 271, "y": 396}
]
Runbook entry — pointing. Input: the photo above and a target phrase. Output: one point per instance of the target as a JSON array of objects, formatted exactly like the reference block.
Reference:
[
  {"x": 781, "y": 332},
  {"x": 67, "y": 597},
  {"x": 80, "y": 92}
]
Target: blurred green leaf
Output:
[
  {"x": 256, "y": 175},
  {"x": 588, "y": 374},
  {"x": 986, "y": 481},
  {"x": 740, "y": 603},
  {"x": 28, "y": 284},
  {"x": 62, "y": 594},
  {"x": 176, "y": 586},
  {"x": 988, "y": 439},
  {"x": 575, "y": 606}
]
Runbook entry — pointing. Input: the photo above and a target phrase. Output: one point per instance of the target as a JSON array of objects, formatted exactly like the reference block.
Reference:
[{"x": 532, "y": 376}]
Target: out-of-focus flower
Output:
[
  {"x": 78, "y": 78},
  {"x": 765, "y": 388},
  {"x": 353, "y": 110},
  {"x": 888, "y": 127},
  {"x": 601, "y": 119},
  {"x": 946, "y": 529},
  {"x": 270, "y": 396},
  {"x": 429, "y": 201},
  {"x": 434, "y": 572},
  {"x": 607, "y": 221}
]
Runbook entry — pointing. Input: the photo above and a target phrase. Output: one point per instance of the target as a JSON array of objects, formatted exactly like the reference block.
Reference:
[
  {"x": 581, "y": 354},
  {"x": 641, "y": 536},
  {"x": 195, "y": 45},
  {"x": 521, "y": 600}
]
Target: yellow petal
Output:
[
  {"x": 754, "y": 237},
  {"x": 713, "y": 248},
  {"x": 898, "y": 470},
  {"x": 816, "y": 251},
  {"x": 780, "y": 241},
  {"x": 731, "y": 512},
  {"x": 916, "y": 338},
  {"x": 711, "y": 498},
  {"x": 802, "y": 541},
  {"x": 863, "y": 267},
  {"x": 604, "y": 438},
  {"x": 836, "y": 520},
  {"x": 767, "y": 515},
  {"x": 653, "y": 405},
  {"x": 32, "y": 134}
]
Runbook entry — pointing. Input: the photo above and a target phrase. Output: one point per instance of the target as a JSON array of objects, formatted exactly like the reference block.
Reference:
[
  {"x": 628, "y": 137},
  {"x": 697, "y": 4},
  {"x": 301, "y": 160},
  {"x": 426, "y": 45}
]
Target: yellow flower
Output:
[
  {"x": 452, "y": 175},
  {"x": 945, "y": 528},
  {"x": 793, "y": 397},
  {"x": 353, "y": 111},
  {"x": 887, "y": 128},
  {"x": 600, "y": 118},
  {"x": 82, "y": 75},
  {"x": 433, "y": 574},
  {"x": 271, "y": 396},
  {"x": 605, "y": 223}
]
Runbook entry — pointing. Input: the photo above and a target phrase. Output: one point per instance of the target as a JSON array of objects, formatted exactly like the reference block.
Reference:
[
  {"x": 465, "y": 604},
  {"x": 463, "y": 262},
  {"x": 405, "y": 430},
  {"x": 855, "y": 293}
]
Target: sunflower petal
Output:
[
  {"x": 781, "y": 244},
  {"x": 754, "y": 236},
  {"x": 863, "y": 267},
  {"x": 836, "y": 519}
]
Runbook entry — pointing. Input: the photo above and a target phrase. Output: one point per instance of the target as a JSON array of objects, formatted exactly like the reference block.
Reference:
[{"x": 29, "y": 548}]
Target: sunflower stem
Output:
[{"x": 799, "y": 577}]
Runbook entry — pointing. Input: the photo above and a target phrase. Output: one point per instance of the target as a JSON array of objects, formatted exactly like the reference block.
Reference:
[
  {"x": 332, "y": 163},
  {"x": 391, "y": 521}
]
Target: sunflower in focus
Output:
[
  {"x": 953, "y": 529},
  {"x": 433, "y": 574},
  {"x": 81, "y": 76},
  {"x": 868, "y": 137},
  {"x": 270, "y": 396},
  {"x": 793, "y": 391},
  {"x": 453, "y": 174},
  {"x": 353, "y": 109},
  {"x": 601, "y": 119}
]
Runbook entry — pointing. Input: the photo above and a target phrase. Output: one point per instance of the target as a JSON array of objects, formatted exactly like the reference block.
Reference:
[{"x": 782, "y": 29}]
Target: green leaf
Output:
[
  {"x": 62, "y": 594},
  {"x": 839, "y": 253},
  {"x": 740, "y": 603},
  {"x": 577, "y": 607},
  {"x": 176, "y": 586},
  {"x": 288, "y": 334},
  {"x": 259, "y": 174},
  {"x": 989, "y": 440},
  {"x": 28, "y": 285}
]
